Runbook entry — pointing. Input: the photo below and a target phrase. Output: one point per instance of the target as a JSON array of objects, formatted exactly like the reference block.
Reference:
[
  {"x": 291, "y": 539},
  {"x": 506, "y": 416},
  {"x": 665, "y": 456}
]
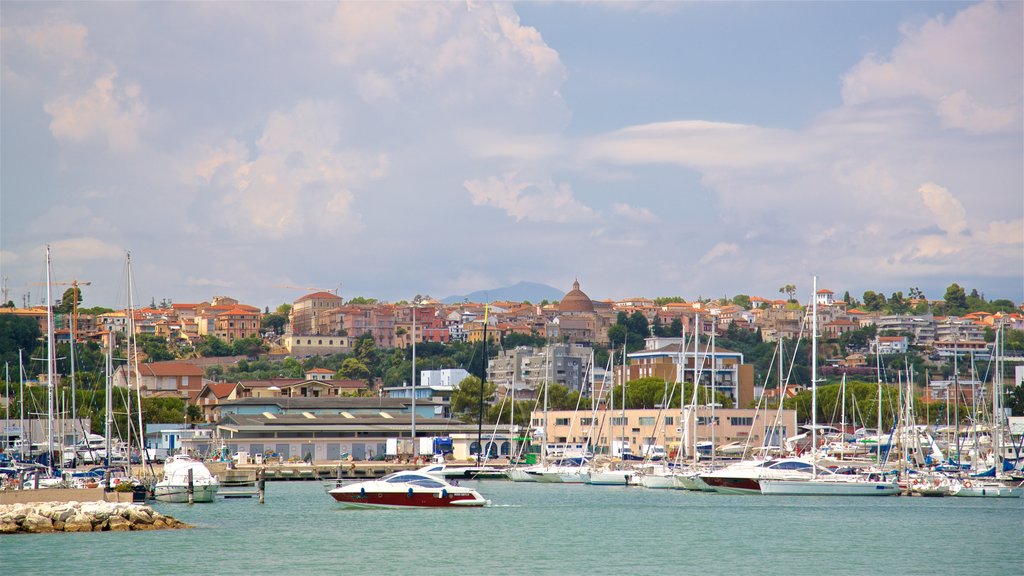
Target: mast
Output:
[
  {"x": 878, "y": 374},
  {"x": 483, "y": 380},
  {"x": 622, "y": 447},
  {"x": 814, "y": 366},
  {"x": 610, "y": 408},
  {"x": 544, "y": 445},
  {"x": 108, "y": 419},
  {"x": 711, "y": 422},
  {"x": 842, "y": 423},
  {"x": 74, "y": 412},
  {"x": 21, "y": 404},
  {"x": 682, "y": 390},
  {"x": 49, "y": 365},
  {"x": 696, "y": 378},
  {"x": 133, "y": 357},
  {"x": 7, "y": 408},
  {"x": 956, "y": 394},
  {"x": 415, "y": 451}
]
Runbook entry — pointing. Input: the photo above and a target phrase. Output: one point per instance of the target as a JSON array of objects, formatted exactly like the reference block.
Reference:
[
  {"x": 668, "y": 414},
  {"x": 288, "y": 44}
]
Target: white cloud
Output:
[
  {"x": 542, "y": 201},
  {"x": 86, "y": 248},
  {"x": 1005, "y": 232},
  {"x": 635, "y": 213},
  {"x": 719, "y": 250},
  {"x": 970, "y": 69},
  {"x": 110, "y": 111},
  {"x": 296, "y": 177},
  {"x": 948, "y": 211},
  {"x": 209, "y": 282}
]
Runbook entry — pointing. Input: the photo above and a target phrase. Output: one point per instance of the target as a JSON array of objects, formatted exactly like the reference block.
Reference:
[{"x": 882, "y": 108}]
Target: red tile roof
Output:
[{"x": 170, "y": 369}]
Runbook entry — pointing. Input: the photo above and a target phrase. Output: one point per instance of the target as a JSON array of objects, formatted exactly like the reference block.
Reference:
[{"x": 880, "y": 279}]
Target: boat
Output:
[
  {"x": 406, "y": 490},
  {"x": 467, "y": 472},
  {"x": 745, "y": 477},
  {"x": 174, "y": 485},
  {"x": 830, "y": 485},
  {"x": 975, "y": 488}
]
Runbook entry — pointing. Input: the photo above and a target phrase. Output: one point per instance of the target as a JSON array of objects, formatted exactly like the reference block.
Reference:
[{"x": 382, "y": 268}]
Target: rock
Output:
[
  {"x": 78, "y": 523},
  {"x": 37, "y": 523},
  {"x": 140, "y": 515},
  {"x": 58, "y": 526},
  {"x": 8, "y": 528},
  {"x": 118, "y": 524}
]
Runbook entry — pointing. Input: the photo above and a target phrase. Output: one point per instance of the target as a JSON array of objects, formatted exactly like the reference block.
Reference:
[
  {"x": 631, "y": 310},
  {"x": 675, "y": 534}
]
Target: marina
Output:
[{"x": 556, "y": 529}]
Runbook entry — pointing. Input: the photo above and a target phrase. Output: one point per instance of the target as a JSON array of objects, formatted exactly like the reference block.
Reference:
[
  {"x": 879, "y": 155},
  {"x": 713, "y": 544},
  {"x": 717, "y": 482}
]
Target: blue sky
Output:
[{"x": 693, "y": 149}]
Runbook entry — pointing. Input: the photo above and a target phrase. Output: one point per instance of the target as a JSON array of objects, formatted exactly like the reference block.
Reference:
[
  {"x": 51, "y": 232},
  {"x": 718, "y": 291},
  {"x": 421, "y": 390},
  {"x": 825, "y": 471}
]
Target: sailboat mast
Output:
[
  {"x": 49, "y": 365},
  {"x": 74, "y": 411},
  {"x": 108, "y": 420},
  {"x": 696, "y": 378},
  {"x": 622, "y": 449},
  {"x": 878, "y": 374},
  {"x": 814, "y": 365},
  {"x": 415, "y": 449},
  {"x": 483, "y": 380},
  {"x": 133, "y": 357},
  {"x": 7, "y": 408},
  {"x": 21, "y": 404},
  {"x": 544, "y": 445},
  {"x": 714, "y": 331}
]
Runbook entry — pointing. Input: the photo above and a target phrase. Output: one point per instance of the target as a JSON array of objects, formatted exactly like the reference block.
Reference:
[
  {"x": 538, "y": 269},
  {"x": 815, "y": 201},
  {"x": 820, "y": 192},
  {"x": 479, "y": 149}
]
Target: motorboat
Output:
[
  {"x": 467, "y": 472},
  {"x": 977, "y": 488},
  {"x": 744, "y": 477},
  {"x": 406, "y": 490},
  {"x": 174, "y": 485}
]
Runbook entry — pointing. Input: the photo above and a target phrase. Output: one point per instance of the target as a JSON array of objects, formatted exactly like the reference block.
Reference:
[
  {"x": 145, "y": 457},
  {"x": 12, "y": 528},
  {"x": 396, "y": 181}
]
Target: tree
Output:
[
  {"x": 274, "y": 323},
  {"x": 897, "y": 305},
  {"x": 513, "y": 340},
  {"x": 155, "y": 347},
  {"x": 360, "y": 300},
  {"x": 916, "y": 293},
  {"x": 251, "y": 347},
  {"x": 466, "y": 398},
  {"x": 874, "y": 301},
  {"x": 676, "y": 328},
  {"x": 17, "y": 332},
  {"x": 742, "y": 300},
  {"x": 211, "y": 346},
  {"x": 956, "y": 300},
  {"x": 69, "y": 301},
  {"x": 354, "y": 369},
  {"x": 789, "y": 290}
]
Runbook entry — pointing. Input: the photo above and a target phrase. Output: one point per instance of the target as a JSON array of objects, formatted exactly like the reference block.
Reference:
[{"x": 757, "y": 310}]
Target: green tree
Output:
[
  {"x": 789, "y": 290},
  {"x": 956, "y": 300},
  {"x": 897, "y": 305},
  {"x": 211, "y": 346},
  {"x": 273, "y": 323},
  {"x": 155, "y": 347},
  {"x": 354, "y": 369},
  {"x": 874, "y": 301},
  {"x": 251, "y": 347},
  {"x": 17, "y": 332},
  {"x": 69, "y": 301},
  {"x": 466, "y": 398},
  {"x": 360, "y": 300},
  {"x": 513, "y": 340}
]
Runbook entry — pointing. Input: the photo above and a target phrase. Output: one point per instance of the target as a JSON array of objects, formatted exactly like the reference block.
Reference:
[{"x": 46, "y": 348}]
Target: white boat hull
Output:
[
  {"x": 179, "y": 494},
  {"x": 828, "y": 487},
  {"x": 610, "y": 477},
  {"x": 657, "y": 481},
  {"x": 519, "y": 475},
  {"x": 979, "y": 490}
]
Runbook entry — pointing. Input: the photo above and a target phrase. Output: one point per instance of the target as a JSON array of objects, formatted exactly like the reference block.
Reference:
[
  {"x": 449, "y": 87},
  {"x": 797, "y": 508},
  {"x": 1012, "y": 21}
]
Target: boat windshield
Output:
[{"x": 415, "y": 479}]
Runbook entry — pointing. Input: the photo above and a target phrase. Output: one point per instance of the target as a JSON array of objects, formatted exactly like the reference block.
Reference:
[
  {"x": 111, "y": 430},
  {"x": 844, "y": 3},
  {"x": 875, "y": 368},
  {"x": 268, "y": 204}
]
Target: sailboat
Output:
[{"x": 819, "y": 483}]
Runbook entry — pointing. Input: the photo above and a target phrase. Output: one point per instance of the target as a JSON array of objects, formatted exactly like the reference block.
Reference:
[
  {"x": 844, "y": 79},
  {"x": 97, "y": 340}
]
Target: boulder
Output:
[
  {"x": 8, "y": 528},
  {"x": 118, "y": 524},
  {"x": 78, "y": 523},
  {"x": 37, "y": 523}
]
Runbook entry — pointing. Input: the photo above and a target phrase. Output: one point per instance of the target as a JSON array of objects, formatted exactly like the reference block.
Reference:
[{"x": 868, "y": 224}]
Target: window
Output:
[
  {"x": 561, "y": 421},
  {"x": 741, "y": 421},
  {"x": 647, "y": 420},
  {"x": 586, "y": 421},
  {"x": 619, "y": 421},
  {"x": 668, "y": 420}
]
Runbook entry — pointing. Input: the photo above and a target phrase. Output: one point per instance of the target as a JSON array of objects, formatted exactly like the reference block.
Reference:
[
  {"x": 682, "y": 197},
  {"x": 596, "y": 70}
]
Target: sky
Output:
[{"x": 263, "y": 150}]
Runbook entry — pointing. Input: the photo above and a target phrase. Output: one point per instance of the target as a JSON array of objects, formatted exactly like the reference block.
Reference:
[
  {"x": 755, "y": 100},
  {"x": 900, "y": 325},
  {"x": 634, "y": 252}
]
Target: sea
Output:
[{"x": 551, "y": 529}]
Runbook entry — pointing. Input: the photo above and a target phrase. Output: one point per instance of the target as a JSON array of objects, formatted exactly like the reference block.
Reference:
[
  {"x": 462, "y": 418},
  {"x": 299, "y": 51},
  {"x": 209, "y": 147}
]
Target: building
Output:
[
  {"x": 180, "y": 379},
  {"x": 312, "y": 345},
  {"x": 434, "y": 386},
  {"x": 889, "y": 345},
  {"x": 310, "y": 313},
  {"x": 921, "y": 327},
  {"x": 662, "y": 358},
  {"x": 239, "y": 321},
  {"x": 669, "y": 428},
  {"x": 528, "y": 368}
]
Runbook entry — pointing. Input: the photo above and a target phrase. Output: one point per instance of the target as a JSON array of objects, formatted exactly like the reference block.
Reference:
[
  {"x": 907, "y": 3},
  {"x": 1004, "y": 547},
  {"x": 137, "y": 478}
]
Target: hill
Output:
[{"x": 518, "y": 292}]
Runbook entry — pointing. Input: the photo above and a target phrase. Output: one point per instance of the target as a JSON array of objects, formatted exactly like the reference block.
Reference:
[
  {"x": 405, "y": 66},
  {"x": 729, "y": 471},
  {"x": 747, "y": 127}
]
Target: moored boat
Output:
[
  {"x": 406, "y": 490},
  {"x": 175, "y": 483}
]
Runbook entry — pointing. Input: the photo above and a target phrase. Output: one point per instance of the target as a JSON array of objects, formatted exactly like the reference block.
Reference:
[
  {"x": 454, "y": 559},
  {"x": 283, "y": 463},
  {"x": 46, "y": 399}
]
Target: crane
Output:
[{"x": 78, "y": 293}]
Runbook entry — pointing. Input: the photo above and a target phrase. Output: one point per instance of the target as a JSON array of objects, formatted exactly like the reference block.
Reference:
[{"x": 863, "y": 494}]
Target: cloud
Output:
[
  {"x": 1005, "y": 232},
  {"x": 541, "y": 201},
  {"x": 719, "y": 250},
  {"x": 969, "y": 69},
  {"x": 110, "y": 111},
  {"x": 948, "y": 211},
  {"x": 209, "y": 282},
  {"x": 86, "y": 248},
  {"x": 638, "y": 214},
  {"x": 296, "y": 176}
]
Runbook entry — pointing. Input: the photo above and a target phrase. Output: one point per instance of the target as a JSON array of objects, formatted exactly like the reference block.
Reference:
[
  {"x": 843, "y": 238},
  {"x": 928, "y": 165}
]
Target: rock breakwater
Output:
[{"x": 40, "y": 518}]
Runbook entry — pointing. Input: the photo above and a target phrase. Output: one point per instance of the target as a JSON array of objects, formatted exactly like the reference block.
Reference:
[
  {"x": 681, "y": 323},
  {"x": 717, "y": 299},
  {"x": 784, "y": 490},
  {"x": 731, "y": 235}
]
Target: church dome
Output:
[{"x": 576, "y": 301}]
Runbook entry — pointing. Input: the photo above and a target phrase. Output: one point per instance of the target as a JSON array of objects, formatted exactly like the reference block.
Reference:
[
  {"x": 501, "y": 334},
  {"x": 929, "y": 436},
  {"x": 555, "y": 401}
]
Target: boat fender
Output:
[
  {"x": 917, "y": 481},
  {"x": 410, "y": 492},
  {"x": 444, "y": 493},
  {"x": 967, "y": 484},
  {"x": 362, "y": 492}
]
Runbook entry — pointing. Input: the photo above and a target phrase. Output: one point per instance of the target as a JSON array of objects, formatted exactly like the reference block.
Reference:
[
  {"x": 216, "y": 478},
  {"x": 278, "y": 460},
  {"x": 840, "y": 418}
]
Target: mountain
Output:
[{"x": 518, "y": 292}]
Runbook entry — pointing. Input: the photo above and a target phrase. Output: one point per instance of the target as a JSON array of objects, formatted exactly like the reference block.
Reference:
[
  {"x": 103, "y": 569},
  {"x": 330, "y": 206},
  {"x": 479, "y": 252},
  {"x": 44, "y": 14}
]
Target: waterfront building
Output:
[
  {"x": 664, "y": 427},
  {"x": 662, "y": 358},
  {"x": 179, "y": 379},
  {"x": 565, "y": 364},
  {"x": 310, "y": 313}
]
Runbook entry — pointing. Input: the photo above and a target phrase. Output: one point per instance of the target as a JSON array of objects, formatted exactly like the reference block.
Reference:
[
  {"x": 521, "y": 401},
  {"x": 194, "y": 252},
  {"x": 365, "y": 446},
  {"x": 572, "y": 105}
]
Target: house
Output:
[
  {"x": 179, "y": 379},
  {"x": 889, "y": 345},
  {"x": 319, "y": 374},
  {"x": 213, "y": 395},
  {"x": 825, "y": 297}
]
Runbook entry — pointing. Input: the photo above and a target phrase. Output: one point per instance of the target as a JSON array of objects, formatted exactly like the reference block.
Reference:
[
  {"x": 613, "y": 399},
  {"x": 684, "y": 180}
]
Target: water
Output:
[{"x": 552, "y": 529}]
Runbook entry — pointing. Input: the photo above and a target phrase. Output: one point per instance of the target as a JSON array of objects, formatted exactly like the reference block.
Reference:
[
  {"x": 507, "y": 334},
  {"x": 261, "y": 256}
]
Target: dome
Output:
[{"x": 575, "y": 300}]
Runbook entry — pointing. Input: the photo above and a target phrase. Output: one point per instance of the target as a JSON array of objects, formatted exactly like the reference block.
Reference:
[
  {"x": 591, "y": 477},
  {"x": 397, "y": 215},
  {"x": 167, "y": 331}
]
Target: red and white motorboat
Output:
[{"x": 407, "y": 490}]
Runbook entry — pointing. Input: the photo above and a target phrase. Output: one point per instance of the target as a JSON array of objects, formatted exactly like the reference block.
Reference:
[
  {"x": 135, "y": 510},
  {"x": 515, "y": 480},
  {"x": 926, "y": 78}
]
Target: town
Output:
[{"x": 312, "y": 380}]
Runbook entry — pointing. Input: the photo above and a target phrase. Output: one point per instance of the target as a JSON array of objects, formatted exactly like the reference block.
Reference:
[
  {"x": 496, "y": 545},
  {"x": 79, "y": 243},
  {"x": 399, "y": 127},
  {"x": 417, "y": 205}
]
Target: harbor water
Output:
[{"x": 552, "y": 529}]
